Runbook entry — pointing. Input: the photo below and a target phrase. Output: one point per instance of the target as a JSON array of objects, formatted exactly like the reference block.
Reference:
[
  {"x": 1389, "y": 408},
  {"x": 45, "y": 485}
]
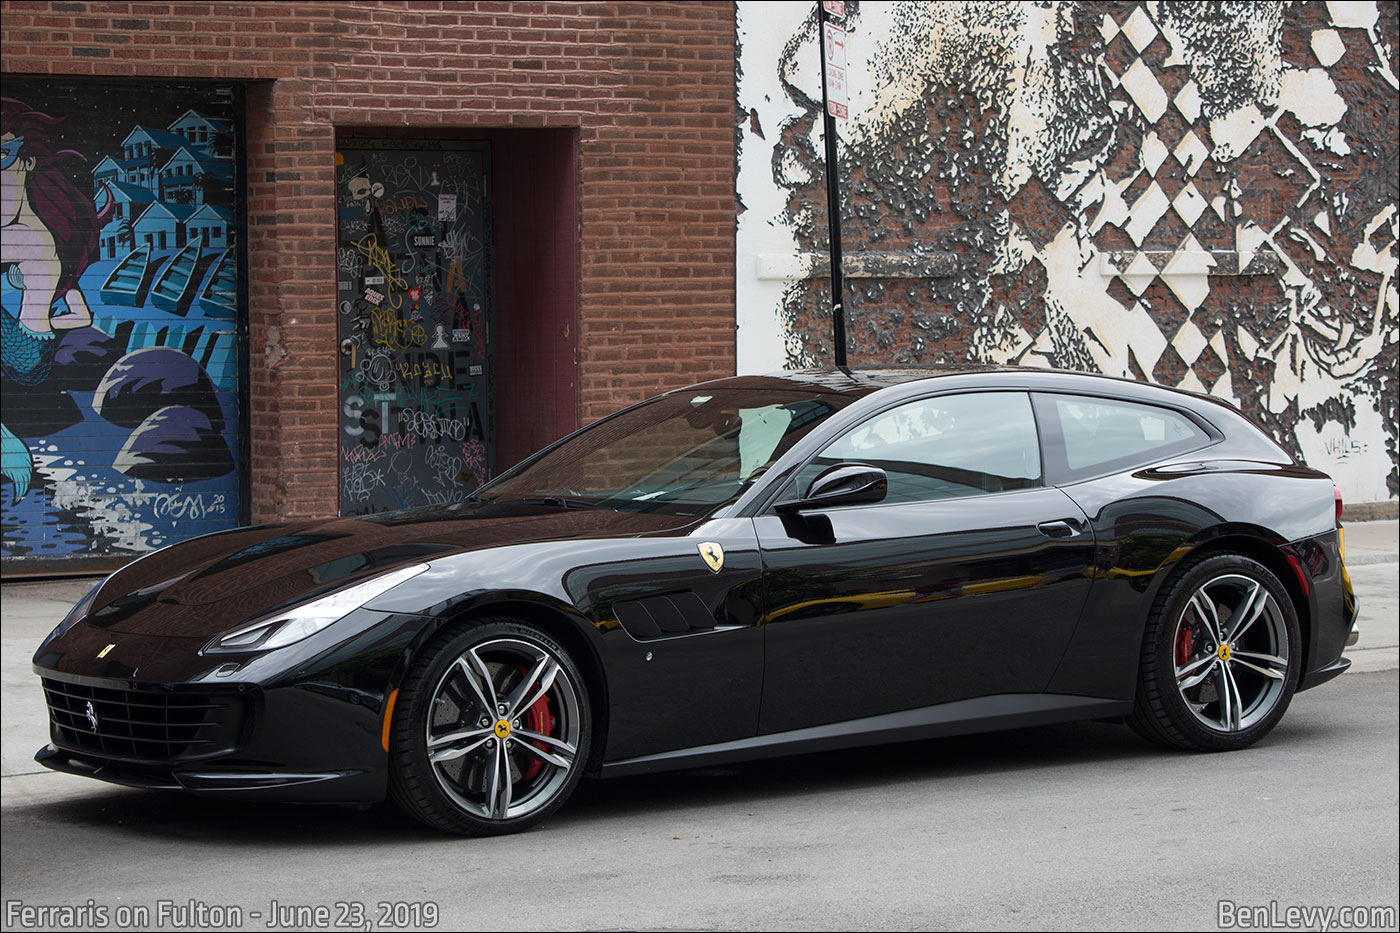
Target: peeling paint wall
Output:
[{"x": 1199, "y": 195}]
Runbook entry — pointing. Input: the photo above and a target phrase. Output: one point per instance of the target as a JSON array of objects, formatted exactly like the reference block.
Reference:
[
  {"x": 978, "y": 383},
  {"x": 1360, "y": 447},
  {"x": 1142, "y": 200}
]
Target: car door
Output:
[{"x": 967, "y": 580}]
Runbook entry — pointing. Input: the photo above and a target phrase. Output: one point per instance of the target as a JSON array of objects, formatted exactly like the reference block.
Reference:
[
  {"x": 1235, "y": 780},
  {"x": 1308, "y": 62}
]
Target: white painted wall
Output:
[{"x": 1090, "y": 114}]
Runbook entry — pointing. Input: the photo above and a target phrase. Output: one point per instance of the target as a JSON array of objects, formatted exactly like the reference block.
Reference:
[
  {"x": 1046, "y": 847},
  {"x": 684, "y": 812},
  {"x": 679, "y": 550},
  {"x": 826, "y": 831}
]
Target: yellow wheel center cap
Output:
[
  {"x": 502, "y": 728},
  {"x": 1223, "y": 652}
]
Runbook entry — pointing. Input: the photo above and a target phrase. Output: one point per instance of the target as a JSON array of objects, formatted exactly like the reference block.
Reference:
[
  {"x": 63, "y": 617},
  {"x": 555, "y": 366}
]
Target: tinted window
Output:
[
  {"x": 943, "y": 447},
  {"x": 1102, "y": 434},
  {"x": 688, "y": 452}
]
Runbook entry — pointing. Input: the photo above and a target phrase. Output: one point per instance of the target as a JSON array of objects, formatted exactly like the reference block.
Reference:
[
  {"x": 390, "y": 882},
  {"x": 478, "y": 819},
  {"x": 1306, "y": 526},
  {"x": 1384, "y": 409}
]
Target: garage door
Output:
[{"x": 121, "y": 363}]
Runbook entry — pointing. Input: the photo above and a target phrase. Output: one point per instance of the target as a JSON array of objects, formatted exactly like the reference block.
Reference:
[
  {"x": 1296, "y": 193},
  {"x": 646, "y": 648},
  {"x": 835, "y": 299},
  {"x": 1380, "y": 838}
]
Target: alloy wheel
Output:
[
  {"x": 504, "y": 728},
  {"x": 1231, "y": 653}
]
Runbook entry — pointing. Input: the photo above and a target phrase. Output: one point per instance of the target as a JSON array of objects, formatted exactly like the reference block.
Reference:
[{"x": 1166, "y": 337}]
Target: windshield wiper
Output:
[{"x": 566, "y": 502}]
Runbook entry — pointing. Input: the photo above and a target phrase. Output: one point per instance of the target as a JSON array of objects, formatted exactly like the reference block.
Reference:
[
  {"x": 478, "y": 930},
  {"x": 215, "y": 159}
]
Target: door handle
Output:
[{"x": 1063, "y": 528}]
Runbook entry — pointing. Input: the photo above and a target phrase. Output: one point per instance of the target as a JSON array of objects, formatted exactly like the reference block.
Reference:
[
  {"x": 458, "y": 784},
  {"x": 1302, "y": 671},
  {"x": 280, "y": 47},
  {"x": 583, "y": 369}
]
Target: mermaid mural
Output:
[
  {"x": 119, "y": 365},
  {"x": 49, "y": 237}
]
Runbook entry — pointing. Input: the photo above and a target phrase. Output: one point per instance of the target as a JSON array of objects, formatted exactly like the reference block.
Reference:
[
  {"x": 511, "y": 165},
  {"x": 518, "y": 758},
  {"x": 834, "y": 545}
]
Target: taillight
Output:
[{"x": 1341, "y": 535}]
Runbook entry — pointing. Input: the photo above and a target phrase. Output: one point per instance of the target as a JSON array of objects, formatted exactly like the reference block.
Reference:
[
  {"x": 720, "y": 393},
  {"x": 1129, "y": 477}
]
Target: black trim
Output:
[
  {"x": 112, "y": 772},
  {"x": 307, "y": 786},
  {"x": 1322, "y": 675},
  {"x": 982, "y": 714}
]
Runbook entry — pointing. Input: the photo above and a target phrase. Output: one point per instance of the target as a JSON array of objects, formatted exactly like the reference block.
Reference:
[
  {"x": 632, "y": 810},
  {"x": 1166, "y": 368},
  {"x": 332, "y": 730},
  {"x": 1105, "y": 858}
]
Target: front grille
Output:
[{"x": 143, "y": 725}]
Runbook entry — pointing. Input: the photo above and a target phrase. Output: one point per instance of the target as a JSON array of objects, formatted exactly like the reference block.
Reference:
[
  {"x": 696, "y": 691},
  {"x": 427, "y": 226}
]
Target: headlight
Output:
[{"x": 292, "y": 625}]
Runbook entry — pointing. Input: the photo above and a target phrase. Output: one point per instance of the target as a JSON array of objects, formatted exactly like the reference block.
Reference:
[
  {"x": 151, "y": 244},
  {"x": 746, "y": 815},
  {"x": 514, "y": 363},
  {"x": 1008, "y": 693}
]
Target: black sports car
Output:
[{"x": 744, "y": 568}]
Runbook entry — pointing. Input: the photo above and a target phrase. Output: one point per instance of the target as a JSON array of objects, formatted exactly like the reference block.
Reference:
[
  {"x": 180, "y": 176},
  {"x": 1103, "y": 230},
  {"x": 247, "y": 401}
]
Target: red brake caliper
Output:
[
  {"x": 1184, "y": 641},
  {"x": 537, "y": 719}
]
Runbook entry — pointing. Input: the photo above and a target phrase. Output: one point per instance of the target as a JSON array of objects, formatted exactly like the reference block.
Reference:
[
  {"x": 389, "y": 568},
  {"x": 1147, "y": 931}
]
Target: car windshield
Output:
[{"x": 687, "y": 453}]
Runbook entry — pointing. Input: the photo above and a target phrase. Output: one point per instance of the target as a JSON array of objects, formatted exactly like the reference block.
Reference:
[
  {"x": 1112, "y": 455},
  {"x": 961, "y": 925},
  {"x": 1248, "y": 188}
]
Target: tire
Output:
[
  {"x": 1197, "y": 690},
  {"x": 457, "y": 762}
]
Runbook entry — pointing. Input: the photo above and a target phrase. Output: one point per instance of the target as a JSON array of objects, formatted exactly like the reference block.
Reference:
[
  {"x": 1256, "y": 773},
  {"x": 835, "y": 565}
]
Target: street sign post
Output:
[{"x": 832, "y": 39}]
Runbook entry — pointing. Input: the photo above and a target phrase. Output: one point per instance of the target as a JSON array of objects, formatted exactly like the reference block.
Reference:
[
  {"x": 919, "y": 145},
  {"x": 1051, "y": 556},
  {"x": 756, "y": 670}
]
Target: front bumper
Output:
[
  {"x": 302, "y": 723},
  {"x": 216, "y": 781},
  {"x": 304, "y": 741}
]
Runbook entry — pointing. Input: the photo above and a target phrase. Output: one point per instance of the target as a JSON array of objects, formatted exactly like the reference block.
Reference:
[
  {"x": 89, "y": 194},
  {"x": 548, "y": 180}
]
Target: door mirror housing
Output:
[{"x": 842, "y": 484}]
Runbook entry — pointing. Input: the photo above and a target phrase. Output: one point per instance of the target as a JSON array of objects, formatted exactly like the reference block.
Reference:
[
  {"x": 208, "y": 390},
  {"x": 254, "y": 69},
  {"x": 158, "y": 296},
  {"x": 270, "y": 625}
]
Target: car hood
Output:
[{"x": 211, "y": 584}]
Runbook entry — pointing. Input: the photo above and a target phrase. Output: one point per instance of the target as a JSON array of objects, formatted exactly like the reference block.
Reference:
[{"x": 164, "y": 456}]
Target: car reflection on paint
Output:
[{"x": 747, "y": 568}]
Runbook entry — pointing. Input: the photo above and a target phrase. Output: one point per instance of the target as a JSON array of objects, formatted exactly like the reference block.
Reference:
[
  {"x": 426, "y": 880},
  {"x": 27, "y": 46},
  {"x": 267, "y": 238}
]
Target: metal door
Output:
[{"x": 417, "y": 407}]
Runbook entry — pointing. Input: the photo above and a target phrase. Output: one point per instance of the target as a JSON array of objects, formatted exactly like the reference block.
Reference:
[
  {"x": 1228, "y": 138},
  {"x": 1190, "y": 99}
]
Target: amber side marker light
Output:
[{"x": 388, "y": 717}]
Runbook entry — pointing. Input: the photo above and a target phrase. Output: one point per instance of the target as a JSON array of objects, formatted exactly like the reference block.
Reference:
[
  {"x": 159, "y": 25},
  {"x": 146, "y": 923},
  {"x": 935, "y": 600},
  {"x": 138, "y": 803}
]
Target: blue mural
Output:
[{"x": 120, "y": 362}]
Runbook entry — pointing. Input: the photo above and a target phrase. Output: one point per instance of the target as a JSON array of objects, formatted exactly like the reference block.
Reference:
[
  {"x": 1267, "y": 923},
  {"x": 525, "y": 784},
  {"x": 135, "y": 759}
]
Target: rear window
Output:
[{"x": 1103, "y": 435}]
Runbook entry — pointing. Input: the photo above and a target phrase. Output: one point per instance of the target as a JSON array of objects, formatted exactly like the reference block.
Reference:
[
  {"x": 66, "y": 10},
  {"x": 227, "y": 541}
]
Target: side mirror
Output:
[{"x": 843, "y": 484}]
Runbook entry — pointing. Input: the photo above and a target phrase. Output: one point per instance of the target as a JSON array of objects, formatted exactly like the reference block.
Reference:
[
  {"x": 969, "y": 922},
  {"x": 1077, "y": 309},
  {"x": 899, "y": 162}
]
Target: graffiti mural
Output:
[
  {"x": 119, "y": 293},
  {"x": 413, "y": 278},
  {"x": 1200, "y": 195}
]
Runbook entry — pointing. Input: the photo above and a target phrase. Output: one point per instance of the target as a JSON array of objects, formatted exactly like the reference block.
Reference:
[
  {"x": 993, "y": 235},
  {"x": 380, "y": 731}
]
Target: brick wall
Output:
[{"x": 649, "y": 88}]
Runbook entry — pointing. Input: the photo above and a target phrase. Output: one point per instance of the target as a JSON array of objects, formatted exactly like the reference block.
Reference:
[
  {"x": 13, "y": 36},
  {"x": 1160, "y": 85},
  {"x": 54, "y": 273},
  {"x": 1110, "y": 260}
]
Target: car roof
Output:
[
  {"x": 897, "y": 383},
  {"x": 861, "y": 382}
]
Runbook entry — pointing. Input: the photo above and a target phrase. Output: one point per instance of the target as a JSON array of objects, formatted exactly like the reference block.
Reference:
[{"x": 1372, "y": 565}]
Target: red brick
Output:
[{"x": 649, "y": 88}]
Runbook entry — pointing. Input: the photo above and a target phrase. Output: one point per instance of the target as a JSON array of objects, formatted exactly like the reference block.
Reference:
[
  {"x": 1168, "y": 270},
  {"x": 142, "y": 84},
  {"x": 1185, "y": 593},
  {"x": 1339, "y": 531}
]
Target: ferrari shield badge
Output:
[{"x": 713, "y": 555}]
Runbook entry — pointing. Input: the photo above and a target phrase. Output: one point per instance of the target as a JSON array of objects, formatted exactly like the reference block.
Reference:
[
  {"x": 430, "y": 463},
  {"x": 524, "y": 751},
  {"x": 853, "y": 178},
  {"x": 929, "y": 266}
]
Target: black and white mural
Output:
[{"x": 1199, "y": 195}]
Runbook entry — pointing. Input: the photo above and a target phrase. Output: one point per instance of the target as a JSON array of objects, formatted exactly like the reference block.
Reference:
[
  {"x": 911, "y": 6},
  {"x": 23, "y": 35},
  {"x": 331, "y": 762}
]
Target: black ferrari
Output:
[{"x": 750, "y": 567}]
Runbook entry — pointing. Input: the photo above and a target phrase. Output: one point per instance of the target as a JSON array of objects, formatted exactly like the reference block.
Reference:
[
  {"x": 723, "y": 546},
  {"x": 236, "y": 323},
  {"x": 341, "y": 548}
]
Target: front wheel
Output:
[
  {"x": 491, "y": 731},
  {"x": 1220, "y": 657}
]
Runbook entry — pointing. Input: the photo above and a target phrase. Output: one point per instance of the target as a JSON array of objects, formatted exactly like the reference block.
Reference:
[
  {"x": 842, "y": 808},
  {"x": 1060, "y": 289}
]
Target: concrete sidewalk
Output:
[
  {"x": 1373, "y": 560},
  {"x": 29, "y": 610}
]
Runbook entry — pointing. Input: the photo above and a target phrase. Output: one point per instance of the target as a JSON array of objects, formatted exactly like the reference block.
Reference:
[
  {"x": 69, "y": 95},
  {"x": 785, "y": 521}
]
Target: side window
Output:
[
  {"x": 1101, "y": 435},
  {"x": 943, "y": 447}
]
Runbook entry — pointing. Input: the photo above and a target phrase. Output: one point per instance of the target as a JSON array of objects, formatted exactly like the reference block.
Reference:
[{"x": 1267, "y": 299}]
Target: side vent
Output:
[{"x": 664, "y": 616}]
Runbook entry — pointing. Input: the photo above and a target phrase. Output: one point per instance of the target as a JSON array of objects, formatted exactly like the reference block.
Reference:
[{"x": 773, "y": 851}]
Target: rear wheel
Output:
[
  {"x": 491, "y": 731},
  {"x": 1220, "y": 656}
]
